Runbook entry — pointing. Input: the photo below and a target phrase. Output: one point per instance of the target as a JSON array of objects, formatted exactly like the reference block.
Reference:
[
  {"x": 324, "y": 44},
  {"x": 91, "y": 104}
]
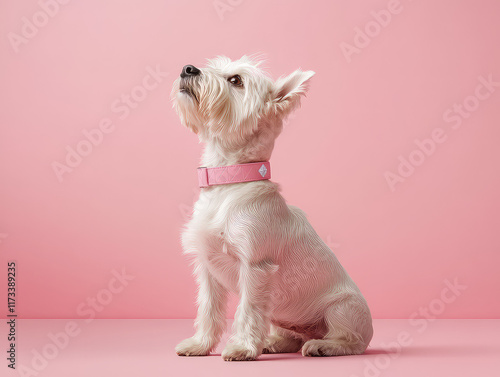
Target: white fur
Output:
[{"x": 244, "y": 238}]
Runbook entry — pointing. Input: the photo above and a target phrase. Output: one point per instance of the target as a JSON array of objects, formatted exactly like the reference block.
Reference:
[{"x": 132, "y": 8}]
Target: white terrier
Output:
[{"x": 244, "y": 238}]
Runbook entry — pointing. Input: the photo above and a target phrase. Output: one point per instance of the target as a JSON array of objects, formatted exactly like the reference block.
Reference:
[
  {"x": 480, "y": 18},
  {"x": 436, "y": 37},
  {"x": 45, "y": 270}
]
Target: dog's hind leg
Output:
[
  {"x": 349, "y": 330},
  {"x": 282, "y": 341}
]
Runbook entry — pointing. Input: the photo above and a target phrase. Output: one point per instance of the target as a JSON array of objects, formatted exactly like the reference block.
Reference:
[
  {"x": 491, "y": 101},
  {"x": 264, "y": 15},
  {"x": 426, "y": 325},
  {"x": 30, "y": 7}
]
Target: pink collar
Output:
[{"x": 253, "y": 171}]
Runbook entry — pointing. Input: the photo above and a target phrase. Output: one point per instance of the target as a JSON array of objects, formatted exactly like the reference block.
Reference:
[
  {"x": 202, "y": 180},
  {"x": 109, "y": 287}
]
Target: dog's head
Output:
[{"x": 233, "y": 100}]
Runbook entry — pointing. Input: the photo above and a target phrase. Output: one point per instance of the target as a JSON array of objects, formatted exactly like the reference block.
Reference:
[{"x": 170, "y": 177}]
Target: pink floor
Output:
[{"x": 146, "y": 348}]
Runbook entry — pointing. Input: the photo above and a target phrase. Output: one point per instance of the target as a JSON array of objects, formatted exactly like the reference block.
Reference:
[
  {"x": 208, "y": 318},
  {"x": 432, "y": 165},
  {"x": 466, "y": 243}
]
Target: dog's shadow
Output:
[
  {"x": 413, "y": 351},
  {"x": 298, "y": 355}
]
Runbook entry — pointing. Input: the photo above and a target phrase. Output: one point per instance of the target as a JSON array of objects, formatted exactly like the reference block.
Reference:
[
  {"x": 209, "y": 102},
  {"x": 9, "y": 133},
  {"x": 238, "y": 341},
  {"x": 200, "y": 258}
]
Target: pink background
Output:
[{"x": 120, "y": 208}]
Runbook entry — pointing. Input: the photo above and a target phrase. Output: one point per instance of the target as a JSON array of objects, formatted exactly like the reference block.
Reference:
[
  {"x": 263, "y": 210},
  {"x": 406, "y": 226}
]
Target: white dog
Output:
[{"x": 244, "y": 238}]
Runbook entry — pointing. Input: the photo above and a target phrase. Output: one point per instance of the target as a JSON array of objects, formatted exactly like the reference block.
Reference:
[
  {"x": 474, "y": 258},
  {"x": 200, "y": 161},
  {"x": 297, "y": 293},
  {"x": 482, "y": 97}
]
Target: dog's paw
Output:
[
  {"x": 317, "y": 347},
  {"x": 192, "y": 347},
  {"x": 326, "y": 347},
  {"x": 280, "y": 344},
  {"x": 238, "y": 352}
]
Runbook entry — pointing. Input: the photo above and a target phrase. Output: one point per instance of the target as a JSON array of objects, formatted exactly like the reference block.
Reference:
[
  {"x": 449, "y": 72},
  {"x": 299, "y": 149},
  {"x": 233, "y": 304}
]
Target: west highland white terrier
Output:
[{"x": 244, "y": 238}]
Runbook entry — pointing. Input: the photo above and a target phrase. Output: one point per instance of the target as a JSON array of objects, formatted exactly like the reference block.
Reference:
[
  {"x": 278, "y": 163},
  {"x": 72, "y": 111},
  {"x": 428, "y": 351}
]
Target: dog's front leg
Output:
[
  {"x": 211, "y": 320},
  {"x": 251, "y": 324}
]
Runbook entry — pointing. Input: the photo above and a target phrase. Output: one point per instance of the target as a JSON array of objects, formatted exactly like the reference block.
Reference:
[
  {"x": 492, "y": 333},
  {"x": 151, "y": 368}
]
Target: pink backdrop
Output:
[{"x": 406, "y": 218}]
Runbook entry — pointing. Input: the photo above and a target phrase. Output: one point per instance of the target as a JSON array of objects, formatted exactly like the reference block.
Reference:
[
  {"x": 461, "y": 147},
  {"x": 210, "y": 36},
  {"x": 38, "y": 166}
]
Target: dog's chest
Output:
[{"x": 208, "y": 231}]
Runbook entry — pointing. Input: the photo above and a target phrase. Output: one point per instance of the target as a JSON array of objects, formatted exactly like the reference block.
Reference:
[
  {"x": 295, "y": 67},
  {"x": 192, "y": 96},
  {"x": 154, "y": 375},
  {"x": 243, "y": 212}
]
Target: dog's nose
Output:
[{"x": 190, "y": 70}]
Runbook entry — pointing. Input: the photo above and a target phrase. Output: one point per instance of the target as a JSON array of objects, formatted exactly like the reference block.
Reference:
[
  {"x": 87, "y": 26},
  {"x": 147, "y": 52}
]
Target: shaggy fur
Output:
[{"x": 244, "y": 238}]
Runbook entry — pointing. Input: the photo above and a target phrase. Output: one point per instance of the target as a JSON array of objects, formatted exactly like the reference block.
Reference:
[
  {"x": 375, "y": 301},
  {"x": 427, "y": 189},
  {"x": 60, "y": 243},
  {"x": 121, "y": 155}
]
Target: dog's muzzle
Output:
[
  {"x": 188, "y": 75},
  {"x": 190, "y": 71}
]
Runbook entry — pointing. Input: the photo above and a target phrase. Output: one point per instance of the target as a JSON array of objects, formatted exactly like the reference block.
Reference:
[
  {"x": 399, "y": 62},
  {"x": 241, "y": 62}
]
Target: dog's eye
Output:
[{"x": 235, "y": 80}]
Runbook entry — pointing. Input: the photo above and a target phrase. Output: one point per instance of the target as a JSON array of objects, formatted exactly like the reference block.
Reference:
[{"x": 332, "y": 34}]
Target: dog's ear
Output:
[{"x": 287, "y": 91}]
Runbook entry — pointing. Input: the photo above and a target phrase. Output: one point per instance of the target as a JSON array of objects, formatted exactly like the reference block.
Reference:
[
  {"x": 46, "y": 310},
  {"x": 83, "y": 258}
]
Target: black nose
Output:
[{"x": 190, "y": 70}]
